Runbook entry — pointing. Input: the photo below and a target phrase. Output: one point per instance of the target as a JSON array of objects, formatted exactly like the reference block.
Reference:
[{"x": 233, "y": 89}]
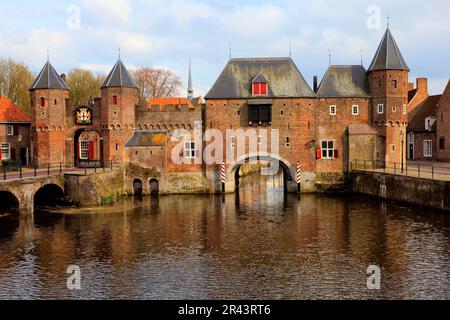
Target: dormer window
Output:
[
  {"x": 429, "y": 122},
  {"x": 260, "y": 89}
]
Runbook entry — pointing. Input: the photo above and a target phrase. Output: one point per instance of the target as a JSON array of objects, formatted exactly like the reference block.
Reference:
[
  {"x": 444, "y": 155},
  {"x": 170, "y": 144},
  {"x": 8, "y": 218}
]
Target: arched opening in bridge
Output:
[
  {"x": 88, "y": 149},
  {"x": 154, "y": 187},
  {"x": 262, "y": 173},
  {"x": 49, "y": 196},
  {"x": 137, "y": 187},
  {"x": 8, "y": 203}
]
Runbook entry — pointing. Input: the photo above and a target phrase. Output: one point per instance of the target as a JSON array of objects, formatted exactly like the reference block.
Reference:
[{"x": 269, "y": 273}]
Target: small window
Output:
[
  {"x": 239, "y": 113},
  {"x": 429, "y": 123},
  {"x": 114, "y": 98},
  {"x": 394, "y": 109},
  {"x": 56, "y": 102},
  {"x": 117, "y": 147},
  {"x": 428, "y": 148},
  {"x": 405, "y": 109},
  {"x": 84, "y": 150},
  {"x": 10, "y": 130},
  {"x": 327, "y": 149},
  {"x": 189, "y": 150},
  {"x": 442, "y": 143},
  {"x": 355, "y": 110},
  {"x": 332, "y": 110},
  {"x": 287, "y": 142},
  {"x": 42, "y": 102},
  {"x": 6, "y": 151},
  {"x": 380, "y": 109},
  {"x": 233, "y": 143},
  {"x": 282, "y": 113},
  {"x": 394, "y": 84}
]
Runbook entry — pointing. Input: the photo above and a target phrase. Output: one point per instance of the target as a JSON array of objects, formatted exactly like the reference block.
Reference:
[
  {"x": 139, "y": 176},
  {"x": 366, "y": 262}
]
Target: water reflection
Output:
[{"x": 255, "y": 245}]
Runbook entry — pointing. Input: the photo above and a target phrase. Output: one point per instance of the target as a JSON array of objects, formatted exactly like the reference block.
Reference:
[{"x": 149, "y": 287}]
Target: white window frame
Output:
[
  {"x": 190, "y": 150},
  {"x": 394, "y": 109},
  {"x": 232, "y": 142},
  {"x": 405, "y": 109},
  {"x": 357, "y": 110},
  {"x": 10, "y": 130},
  {"x": 429, "y": 122},
  {"x": 333, "y": 110},
  {"x": 380, "y": 107},
  {"x": 428, "y": 148},
  {"x": 6, "y": 155},
  {"x": 83, "y": 149},
  {"x": 326, "y": 151}
]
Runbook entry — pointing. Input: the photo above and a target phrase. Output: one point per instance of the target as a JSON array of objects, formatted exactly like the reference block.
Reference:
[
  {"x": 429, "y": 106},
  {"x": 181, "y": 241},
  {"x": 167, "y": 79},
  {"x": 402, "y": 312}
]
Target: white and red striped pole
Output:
[
  {"x": 223, "y": 176},
  {"x": 298, "y": 175}
]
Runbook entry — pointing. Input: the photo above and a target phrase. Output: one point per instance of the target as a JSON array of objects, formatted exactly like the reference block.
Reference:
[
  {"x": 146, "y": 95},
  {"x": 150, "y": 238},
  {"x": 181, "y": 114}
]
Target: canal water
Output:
[{"x": 260, "y": 244}]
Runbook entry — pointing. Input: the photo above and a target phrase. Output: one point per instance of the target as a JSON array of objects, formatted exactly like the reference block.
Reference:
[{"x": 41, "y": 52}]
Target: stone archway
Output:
[
  {"x": 138, "y": 187},
  {"x": 88, "y": 148},
  {"x": 8, "y": 202},
  {"x": 277, "y": 163},
  {"x": 49, "y": 195},
  {"x": 154, "y": 187}
]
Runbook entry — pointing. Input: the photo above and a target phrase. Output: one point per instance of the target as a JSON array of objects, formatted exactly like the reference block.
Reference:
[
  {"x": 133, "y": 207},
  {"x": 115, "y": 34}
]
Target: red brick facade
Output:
[{"x": 443, "y": 128}]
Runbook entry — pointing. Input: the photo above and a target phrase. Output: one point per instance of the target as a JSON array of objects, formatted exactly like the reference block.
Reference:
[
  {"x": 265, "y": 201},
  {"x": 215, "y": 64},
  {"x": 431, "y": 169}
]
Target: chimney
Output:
[
  {"x": 422, "y": 86},
  {"x": 63, "y": 76},
  {"x": 410, "y": 86},
  {"x": 315, "y": 84}
]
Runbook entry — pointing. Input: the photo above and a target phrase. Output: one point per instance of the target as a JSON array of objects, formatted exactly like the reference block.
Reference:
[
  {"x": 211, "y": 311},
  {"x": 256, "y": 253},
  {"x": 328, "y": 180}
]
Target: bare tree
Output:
[
  {"x": 84, "y": 84},
  {"x": 15, "y": 79},
  {"x": 157, "y": 83}
]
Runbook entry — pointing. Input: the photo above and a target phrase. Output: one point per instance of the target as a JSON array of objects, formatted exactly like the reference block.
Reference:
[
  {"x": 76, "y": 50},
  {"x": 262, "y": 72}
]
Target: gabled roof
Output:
[
  {"x": 344, "y": 82},
  {"x": 11, "y": 113},
  {"x": 388, "y": 56},
  {"x": 259, "y": 78},
  {"x": 421, "y": 112},
  {"x": 119, "y": 77},
  {"x": 48, "y": 78},
  {"x": 282, "y": 75},
  {"x": 147, "y": 139}
]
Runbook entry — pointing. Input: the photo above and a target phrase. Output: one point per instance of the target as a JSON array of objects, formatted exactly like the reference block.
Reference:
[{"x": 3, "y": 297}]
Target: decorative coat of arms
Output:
[{"x": 84, "y": 116}]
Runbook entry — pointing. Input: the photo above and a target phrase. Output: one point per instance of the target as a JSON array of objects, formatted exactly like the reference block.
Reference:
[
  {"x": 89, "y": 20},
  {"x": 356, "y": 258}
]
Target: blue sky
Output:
[{"x": 165, "y": 33}]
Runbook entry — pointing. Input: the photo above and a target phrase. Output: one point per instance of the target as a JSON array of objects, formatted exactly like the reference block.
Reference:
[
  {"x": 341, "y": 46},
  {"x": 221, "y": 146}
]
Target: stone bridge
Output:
[{"x": 22, "y": 194}]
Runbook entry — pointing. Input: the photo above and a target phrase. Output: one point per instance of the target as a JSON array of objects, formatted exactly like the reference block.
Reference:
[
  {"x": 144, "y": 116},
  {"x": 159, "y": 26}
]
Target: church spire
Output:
[{"x": 190, "y": 90}]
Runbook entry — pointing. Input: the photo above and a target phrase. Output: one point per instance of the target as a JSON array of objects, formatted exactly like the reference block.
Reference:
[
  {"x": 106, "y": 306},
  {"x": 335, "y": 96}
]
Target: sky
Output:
[{"x": 167, "y": 33}]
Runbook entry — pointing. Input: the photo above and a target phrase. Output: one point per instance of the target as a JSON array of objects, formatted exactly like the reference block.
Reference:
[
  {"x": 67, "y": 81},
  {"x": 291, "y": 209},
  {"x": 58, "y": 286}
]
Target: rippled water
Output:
[{"x": 258, "y": 245}]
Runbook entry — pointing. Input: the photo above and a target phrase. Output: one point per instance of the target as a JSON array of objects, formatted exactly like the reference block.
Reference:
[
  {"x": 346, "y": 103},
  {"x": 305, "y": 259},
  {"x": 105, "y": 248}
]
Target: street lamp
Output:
[{"x": 402, "y": 134}]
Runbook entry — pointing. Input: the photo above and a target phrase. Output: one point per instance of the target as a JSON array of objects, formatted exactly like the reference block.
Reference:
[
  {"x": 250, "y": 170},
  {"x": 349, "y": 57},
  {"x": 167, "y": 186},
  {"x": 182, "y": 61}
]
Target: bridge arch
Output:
[
  {"x": 8, "y": 202},
  {"x": 232, "y": 172},
  {"x": 48, "y": 195}
]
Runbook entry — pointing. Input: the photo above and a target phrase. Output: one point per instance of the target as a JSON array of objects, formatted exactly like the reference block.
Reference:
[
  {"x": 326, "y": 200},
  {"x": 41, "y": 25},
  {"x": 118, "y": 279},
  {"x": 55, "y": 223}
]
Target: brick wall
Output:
[{"x": 443, "y": 129}]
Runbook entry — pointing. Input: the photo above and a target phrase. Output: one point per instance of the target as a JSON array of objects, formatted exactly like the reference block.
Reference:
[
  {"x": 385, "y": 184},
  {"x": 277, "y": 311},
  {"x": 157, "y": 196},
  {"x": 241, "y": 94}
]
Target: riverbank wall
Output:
[{"x": 424, "y": 192}]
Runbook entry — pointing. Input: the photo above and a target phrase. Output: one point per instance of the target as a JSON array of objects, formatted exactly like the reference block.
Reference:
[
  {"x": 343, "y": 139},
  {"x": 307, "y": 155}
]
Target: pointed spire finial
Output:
[
  {"x": 329, "y": 57},
  {"x": 120, "y": 52},
  {"x": 48, "y": 53},
  {"x": 229, "y": 48},
  {"x": 388, "y": 19},
  {"x": 190, "y": 90},
  {"x": 290, "y": 49}
]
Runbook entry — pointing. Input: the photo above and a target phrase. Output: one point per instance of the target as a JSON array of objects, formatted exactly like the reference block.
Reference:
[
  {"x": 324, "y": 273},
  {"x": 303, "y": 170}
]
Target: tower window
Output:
[
  {"x": 405, "y": 110},
  {"x": 332, "y": 110},
  {"x": 355, "y": 110},
  {"x": 380, "y": 109},
  {"x": 117, "y": 147},
  {"x": 114, "y": 98},
  {"x": 42, "y": 102},
  {"x": 56, "y": 102},
  {"x": 394, "y": 84}
]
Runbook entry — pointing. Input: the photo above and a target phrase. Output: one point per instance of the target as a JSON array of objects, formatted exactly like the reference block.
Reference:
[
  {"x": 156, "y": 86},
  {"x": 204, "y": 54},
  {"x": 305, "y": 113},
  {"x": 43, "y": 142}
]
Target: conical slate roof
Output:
[
  {"x": 48, "y": 78},
  {"x": 119, "y": 77},
  {"x": 388, "y": 56}
]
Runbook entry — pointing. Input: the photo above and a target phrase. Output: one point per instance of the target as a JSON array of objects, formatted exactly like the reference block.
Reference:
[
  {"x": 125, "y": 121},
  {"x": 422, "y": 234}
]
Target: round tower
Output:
[
  {"x": 120, "y": 95},
  {"x": 388, "y": 80},
  {"x": 48, "y": 112}
]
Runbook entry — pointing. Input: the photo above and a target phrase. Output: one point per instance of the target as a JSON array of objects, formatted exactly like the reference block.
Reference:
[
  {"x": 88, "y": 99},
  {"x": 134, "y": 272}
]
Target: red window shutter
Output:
[
  {"x": 256, "y": 89},
  {"x": 91, "y": 150},
  {"x": 0, "y": 154},
  {"x": 264, "y": 88},
  {"x": 336, "y": 153},
  {"x": 319, "y": 154}
]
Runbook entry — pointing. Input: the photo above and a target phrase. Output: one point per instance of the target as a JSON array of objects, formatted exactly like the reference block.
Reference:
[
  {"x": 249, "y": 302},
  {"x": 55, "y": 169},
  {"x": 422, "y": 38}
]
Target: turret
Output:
[
  {"x": 120, "y": 96},
  {"x": 388, "y": 79},
  {"x": 48, "y": 98}
]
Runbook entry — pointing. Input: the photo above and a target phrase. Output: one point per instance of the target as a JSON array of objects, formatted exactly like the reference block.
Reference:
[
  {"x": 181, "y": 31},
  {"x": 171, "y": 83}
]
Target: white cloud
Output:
[
  {"x": 250, "y": 21},
  {"x": 111, "y": 10},
  {"x": 186, "y": 11}
]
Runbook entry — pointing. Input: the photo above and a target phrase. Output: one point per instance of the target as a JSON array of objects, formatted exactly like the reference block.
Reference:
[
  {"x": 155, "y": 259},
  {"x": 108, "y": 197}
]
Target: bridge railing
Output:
[
  {"x": 422, "y": 170},
  {"x": 17, "y": 171}
]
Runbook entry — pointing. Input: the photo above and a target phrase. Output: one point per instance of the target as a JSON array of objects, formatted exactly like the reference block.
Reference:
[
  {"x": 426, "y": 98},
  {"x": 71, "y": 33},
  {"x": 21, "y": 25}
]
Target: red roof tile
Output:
[
  {"x": 11, "y": 113},
  {"x": 163, "y": 102}
]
